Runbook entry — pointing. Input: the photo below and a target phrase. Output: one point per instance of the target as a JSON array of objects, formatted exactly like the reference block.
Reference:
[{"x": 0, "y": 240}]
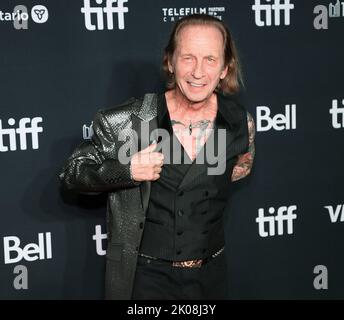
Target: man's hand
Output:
[{"x": 146, "y": 164}]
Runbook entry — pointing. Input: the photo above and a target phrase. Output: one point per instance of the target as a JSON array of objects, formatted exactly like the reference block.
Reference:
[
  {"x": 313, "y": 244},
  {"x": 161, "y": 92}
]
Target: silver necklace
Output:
[{"x": 201, "y": 124}]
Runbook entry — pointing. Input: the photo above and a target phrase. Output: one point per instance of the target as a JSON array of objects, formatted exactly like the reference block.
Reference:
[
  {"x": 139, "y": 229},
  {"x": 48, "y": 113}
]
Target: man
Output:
[{"x": 165, "y": 218}]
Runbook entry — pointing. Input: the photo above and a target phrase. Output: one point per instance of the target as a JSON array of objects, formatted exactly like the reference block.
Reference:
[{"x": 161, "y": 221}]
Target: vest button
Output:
[
  {"x": 179, "y": 252},
  {"x": 206, "y": 193},
  {"x": 141, "y": 225},
  {"x": 179, "y": 233},
  {"x": 181, "y": 193},
  {"x": 180, "y": 213}
]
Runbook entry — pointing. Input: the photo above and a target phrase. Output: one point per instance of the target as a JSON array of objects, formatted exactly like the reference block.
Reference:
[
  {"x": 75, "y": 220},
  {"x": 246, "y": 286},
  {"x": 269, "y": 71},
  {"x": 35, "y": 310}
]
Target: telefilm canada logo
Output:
[
  {"x": 175, "y": 14},
  {"x": 20, "y": 16},
  {"x": 324, "y": 13}
]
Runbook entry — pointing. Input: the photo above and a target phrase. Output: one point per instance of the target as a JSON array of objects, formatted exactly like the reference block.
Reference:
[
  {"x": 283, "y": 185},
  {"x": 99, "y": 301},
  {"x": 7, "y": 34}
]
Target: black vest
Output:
[{"x": 184, "y": 218}]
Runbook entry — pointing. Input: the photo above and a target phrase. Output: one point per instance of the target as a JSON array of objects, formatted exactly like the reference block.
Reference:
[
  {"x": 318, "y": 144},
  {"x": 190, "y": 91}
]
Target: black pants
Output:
[{"x": 156, "y": 280}]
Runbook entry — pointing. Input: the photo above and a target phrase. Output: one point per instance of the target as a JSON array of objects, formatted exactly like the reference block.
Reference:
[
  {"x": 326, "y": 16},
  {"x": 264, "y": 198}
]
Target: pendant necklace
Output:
[{"x": 202, "y": 125}]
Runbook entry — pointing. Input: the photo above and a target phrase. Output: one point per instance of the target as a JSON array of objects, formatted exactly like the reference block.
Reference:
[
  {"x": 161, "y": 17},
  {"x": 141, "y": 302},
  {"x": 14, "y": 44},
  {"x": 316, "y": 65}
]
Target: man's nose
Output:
[{"x": 197, "y": 71}]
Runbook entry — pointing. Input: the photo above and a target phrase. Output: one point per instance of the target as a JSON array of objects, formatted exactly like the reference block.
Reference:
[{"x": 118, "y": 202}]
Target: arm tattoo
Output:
[{"x": 245, "y": 161}]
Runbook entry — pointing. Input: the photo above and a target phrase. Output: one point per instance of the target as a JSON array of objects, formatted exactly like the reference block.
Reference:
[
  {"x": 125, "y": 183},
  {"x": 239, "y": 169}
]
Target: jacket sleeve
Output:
[{"x": 94, "y": 167}]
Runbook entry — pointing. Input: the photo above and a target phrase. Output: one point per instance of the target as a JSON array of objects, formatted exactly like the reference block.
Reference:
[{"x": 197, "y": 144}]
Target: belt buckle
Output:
[{"x": 188, "y": 264}]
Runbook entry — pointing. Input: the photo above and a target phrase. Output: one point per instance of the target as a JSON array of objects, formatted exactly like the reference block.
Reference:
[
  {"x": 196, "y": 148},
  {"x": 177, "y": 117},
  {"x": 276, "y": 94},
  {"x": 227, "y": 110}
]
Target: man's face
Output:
[{"x": 198, "y": 61}]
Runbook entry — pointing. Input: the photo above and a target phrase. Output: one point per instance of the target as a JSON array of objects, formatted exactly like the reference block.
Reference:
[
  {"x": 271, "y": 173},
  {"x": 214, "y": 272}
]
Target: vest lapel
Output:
[{"x": 224, "y": 120}]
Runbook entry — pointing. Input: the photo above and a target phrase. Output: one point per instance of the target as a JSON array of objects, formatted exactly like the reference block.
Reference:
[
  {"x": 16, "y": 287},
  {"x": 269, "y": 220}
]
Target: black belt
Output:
[{"x": 196, "y": 263}]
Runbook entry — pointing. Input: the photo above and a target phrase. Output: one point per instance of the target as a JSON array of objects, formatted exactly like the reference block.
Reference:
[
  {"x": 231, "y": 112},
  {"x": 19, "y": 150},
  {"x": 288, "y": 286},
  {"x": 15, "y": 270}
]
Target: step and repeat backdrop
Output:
[{"x": 61, "y": 61}]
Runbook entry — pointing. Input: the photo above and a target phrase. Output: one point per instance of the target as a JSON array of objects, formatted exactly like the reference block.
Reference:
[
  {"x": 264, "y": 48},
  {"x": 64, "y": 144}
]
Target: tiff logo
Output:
[
  {"x": 26, "y": 127},
  {"x": 98, "y": 237},
  {"x": 284, "y": 214},
  {"x": 337, "y": 115},
  {"x": 109, "y": 10},
  {"x": 278, "y": 122},
  {"x": 270, "y": 9},
  {"x": 336, "y": 212}
]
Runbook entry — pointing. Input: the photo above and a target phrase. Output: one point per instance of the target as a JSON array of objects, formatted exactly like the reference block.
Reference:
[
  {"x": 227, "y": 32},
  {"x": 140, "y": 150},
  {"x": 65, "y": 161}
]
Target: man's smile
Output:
[{"x": 197, "y": 85}]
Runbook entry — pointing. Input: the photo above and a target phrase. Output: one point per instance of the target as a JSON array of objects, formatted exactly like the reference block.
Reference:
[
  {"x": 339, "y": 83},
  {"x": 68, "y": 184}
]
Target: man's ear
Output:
[
  {"x": 224, "y": 73},
  {"x": 169, "y": 64}
]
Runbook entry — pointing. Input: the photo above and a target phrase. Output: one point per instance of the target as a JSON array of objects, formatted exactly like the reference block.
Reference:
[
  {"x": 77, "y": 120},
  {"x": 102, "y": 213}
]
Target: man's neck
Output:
[{"x": 180, "y": 107}]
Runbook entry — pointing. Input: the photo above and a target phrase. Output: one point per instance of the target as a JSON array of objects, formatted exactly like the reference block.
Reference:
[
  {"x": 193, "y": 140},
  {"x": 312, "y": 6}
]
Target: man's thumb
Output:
[{"x": 150, "y": 148}]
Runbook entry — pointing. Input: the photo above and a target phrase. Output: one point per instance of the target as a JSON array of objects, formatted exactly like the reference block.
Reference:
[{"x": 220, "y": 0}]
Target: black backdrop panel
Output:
[{"x": 284, "y": 223}]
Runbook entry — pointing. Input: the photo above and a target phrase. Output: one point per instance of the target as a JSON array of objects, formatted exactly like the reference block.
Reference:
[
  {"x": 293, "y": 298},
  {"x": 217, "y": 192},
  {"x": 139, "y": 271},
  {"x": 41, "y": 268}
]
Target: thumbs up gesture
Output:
[{"x": 146, "y": 164}]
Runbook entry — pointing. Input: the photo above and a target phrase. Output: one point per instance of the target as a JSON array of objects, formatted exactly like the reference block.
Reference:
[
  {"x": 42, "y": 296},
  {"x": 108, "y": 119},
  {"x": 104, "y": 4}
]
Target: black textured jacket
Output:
[{"x": 94, "y": 167}]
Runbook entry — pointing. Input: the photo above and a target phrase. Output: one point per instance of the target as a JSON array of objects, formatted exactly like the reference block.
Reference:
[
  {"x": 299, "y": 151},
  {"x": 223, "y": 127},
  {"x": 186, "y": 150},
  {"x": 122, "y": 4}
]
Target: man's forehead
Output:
[
  {"x": 191, "y": 32},
  {"x": 198, "y": 27}
]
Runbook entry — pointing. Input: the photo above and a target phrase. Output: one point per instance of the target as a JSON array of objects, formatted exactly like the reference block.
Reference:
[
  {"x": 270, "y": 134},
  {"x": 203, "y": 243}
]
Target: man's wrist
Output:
[{"x": 131, "y": 174}]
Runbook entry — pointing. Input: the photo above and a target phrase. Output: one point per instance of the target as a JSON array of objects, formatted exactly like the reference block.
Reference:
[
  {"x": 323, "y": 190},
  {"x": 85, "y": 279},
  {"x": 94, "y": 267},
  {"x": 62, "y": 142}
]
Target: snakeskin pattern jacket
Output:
[{"x": 94, "y": 167}]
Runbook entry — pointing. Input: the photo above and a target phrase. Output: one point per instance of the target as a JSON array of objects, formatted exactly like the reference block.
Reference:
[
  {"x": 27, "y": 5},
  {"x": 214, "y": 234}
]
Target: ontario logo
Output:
[{"x": 20, "y": 16}]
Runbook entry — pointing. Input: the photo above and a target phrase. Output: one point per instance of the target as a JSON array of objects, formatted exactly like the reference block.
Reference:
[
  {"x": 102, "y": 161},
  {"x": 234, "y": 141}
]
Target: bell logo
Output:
[
  {"x": 31, "y": 252},
  {"x": 279, "y": 121},
  {"x": 109, "y": 10}
]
